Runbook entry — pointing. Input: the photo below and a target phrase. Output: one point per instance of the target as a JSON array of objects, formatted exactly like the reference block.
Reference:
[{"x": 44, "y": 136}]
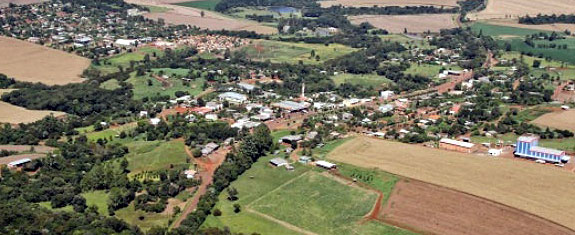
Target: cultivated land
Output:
[
  {"x": 155, "y": 155},
  {"x": 540, "y": 190},
  {"x": 279, "y": 52},
  {"x": 382, "y": 3},
  {"x": 546, "y": 27},
  {"x": 14, "y": 114},
  {"x": 192, "y": 16},
  {"x": 413, "y": 23},
  {"x": 564, "y": 120},
  {"x": 5, "y": 3},
  {"x": 498, "y": 9},
  {"x": 50, "y": 66},
  {"x": 434, "y": 209}
]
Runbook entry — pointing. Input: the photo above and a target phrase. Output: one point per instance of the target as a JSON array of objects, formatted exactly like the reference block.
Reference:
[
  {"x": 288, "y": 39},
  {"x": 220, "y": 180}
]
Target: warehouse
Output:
[{"x": 454, "y": 145}]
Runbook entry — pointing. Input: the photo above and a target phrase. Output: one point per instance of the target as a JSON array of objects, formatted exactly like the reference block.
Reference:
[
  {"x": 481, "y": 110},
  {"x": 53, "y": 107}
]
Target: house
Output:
[
  {"x": 386, "y": 94},
  {"x": 527, "y": 147},
  {"x": 455, "y": 145},
  {"x": 325, "y": 165},
  {"x": 155, "y": 121},
  {"x": 233, "y": 97},
  {"x": 211, "y": 117},
  {"x": 209, "y": 148},
  {"x": 277, "y": 162},
  {"x": 19, "y": 163},
  {"x": 290, "y": 139},
  {"x": 386, "y": 108},
  {"x": 311, "y": 135},
  {"x": 143, "y": 114},
  {"x": 246, "y": 87},
  {"x": 126, "y": 42},
  {"x": 304, "y": 159},
  {"x": 190, "y": 174}
]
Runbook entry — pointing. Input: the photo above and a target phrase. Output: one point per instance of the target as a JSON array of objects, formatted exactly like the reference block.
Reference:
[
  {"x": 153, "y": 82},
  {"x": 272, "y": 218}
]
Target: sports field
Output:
[
  {"x": 382, "y": 3},
  {"x": 564, "y": 120},
  {"x": 279, "y": 52},
  {"x": 541, "y": 190},
  {"x": 413, "y": 23},
  {"x": 50, "y": 66}
]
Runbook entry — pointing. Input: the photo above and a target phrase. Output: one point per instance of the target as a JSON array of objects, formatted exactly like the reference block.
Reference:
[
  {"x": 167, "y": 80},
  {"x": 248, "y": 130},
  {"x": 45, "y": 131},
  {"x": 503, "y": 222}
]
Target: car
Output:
[
  {"x": 559, "y": 164},
  {"x": 540, "y": 161}
]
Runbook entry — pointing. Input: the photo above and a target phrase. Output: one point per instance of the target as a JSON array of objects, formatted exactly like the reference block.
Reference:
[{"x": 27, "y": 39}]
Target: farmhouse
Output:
[
  {"x": 19, "y": 163},
  {"x": 527, "y": 147},
  {"x": 190, "y": 174},
  {"x": 455, "y": 145},
  {"x": 325, "y": 165}
]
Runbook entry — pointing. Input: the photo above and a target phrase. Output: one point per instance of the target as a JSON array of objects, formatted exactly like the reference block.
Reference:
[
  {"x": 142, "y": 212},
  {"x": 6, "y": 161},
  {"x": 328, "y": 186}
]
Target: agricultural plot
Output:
[
  {"x": 111, "y": 64},
  {"x": 51, "y": 67},
  {"x": 382, "y": 3},
  {"x": 501, "y": 9},
  {"x": 517, "y": 184},
  {"x": 147, "y": 156},
  {"x": 437, "y": 210},
  {"x": 205, "y": 4},
  {"x": 411, "y": 23},
  {"x": 14, "y": 114},
  {"x": 108, "y": 134},
  {"x": 286, "y": 52},
  {"x": 564, "y": 120},
  {"x": 5, "y": 3},
  {"x": 147, "y": 86},
  {"x": 429, "y": 70},
  {"x": 367, "y": 80}
]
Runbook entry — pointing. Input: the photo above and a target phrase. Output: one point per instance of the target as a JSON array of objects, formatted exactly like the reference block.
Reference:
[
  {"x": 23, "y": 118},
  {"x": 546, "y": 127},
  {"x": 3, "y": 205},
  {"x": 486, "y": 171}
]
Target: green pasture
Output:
[
  {"x": 155, "y": 155},
  {"x": 288, "y": 52},
  {"x": 367, "y": 80},
  {"x": 142, "y": 87},
  {"x": 205, "y": 4},
  {"x": 99, "y": 199},
  {"x": 142, "y": 219}
]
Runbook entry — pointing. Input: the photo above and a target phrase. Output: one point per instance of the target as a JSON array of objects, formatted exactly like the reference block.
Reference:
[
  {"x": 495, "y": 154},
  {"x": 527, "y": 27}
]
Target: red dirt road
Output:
[
  {"x": 427, "y": 208},
  {"x": 207, "y": 166}
]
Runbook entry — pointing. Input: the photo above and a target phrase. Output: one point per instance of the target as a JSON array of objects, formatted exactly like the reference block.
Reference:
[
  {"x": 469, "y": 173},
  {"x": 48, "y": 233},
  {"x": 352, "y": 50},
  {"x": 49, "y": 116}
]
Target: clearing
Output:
[
  {"x": 289, "y": 52},
  {"x": 564, "y": 120},
  {"x": 51, "y": 67},
  {"x": 437, "y": 210},
  {"x": 383, "y": 3},
  {"x": 501, "y": 9},
  {"x": 514, "y": 183},
  {"x": 413, "y": 23}
]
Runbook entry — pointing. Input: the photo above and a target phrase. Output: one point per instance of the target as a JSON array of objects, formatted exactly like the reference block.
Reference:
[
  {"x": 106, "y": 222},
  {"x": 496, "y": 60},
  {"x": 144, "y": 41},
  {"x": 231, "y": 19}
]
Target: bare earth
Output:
[
  {"x": 192, "y": 16},
  {"x": 413, "y": 23},
  {"x": 499, "y": 9},
  {"x": 5, "y": 3},
  {"x": 30, "y": 62},
  {"x": 541, "y": 190},
  {"x": 564, "y": 120},
  {"x": 437, "y": 210},
  {"x": 382, "y": 3}
]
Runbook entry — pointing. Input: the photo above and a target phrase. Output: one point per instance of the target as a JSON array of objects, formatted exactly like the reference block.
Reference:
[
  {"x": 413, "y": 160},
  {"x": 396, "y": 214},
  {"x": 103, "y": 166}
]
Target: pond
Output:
[{"x": 282, "y": 9}]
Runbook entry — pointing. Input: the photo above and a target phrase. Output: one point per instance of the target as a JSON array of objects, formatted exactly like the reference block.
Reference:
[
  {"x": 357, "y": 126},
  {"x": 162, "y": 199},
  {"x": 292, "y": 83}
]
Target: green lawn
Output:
[
  {"x": 111, "y": 84},
  {"x": 143, "y": 89},
  {"x": 205, "y": 4},
  {"x": 48, "y": 205},
  {"x": 279, "y": 52},
  {"x": 154, "y": 155},
  {"x": 111, "y": 133},
  {"x": 99, "y": 199},
  {"x": 380, "y": 180},
  {"x": 132, "y": 216},
  {"x": 318, "y": 204},
  {"x": 368, "y": 80},
  {"x": 111, "y": 64}
]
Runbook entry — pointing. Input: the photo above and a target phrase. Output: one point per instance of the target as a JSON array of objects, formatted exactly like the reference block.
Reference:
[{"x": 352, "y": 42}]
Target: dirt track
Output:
[{"x": 428, "y": 208}]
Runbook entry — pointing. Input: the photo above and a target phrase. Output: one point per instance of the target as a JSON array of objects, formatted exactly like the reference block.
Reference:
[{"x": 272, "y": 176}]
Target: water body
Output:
[{"x": 283, "y": 9}]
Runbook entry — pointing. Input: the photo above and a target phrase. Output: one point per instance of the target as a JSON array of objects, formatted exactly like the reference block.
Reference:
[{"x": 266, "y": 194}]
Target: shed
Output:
[{"x": 277, "y": 162}]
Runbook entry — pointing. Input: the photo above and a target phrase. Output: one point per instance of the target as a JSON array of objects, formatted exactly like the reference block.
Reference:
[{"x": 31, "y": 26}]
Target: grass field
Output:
[
  {"x": 98, "y": 199},
  {"x": 514, "y": 183},
  {"x": 142, "y": 89},
  {"x": 205, "y": 4},
  {"x": 382, "y": 3},
  {"x": 154, "y": 155},
  {"x": 502, "y": 31},
  {"x": 280, "y": 52},
  {"x": 111, "y": 64},
  {"x": 48, "y": 206},
  {"x": 132, "y": 216},
  {"x": 564, "y": 120},
  {"x": 111, "y": 84},
  {"x": 110, "y": 133},
  {"x": 413, "y": 23},
  {"x": 429, "y": 70},
  {"x": 157, "y": 9},
  {"x": 369, "y": 80},
  {"x": 30, "y": 62}
]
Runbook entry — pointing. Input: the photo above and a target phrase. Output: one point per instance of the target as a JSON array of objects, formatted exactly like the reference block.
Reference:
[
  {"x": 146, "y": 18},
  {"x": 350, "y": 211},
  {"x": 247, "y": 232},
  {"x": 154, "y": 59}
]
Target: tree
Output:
[
  {"x": 237, "y": 208},
  {"x": 232, "y": 194},
  {"x": 79, "y": 203},
  {"x": 536, "y": 63},
  {"x": 196, "y": 153},
  {"x": 202, "y": 13},
  {"x": 217, "y": 212}
]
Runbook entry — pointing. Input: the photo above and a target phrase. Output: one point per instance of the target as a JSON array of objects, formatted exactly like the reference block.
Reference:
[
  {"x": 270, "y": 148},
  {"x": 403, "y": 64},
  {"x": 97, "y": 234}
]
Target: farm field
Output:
[
  {"x": 110, "y": 133},
  {"x": 5, "y": 3},
  {"x": 558, "y": 27},
  {"x": 413, "y": 23},
  {"x": 369, "y": 80},
  {"x": 280, "y": 52},
  {"x": 15, "y": 114},
  {"x": 514, "y": 183},
  {"x": 382, "y": 3},
  {"x": 154, "y": 155},
  {"x": 51, "y": 66},
  {"x": 429, "y": 70},
  {"x": 564, "y": 120},
  {"x": 437, "y": 210},
  {"x": 499, "y": 9},
  {"x": 28, "y": 148},
  {"x": 205, "y": 4}
]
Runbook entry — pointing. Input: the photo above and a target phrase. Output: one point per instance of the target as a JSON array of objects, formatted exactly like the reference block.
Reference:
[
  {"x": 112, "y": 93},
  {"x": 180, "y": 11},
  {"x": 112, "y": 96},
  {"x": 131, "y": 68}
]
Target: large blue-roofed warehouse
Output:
[{"x": 527, "y": 146}]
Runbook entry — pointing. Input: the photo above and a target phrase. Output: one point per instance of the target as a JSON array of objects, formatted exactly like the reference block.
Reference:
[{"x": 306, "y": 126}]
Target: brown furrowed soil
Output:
[
  {"x": 14, "y": 114},
  {"x": 564, "y": 120},
  {"x": 540, "y": 190},
  {"x": 434, "y": 209},
  {"x": 382, "y": 3},
  {"x": 413, "y": 23},
  {"x": 30, "y": 62},
  {"x": 501, "y": 9}
]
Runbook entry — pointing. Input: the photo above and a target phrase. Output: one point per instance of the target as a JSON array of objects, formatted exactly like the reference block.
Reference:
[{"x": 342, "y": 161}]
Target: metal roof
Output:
[
  {"x": 278, "y": 161},
  {"x": 527, "y": 138},
  {"x": 456, "y": 142},
  {"x": 546, "y": 150},
  {"x": 325, "y": 164},
  {"x": 19, "y": 162}
]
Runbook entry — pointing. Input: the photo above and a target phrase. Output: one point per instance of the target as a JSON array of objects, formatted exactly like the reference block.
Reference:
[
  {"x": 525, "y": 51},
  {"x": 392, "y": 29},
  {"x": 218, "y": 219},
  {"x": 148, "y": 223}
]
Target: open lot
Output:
[
  {"x": 437, "y": 210},
  {"x": 279, "y": 52},
  {"x": 540, "y": 190},
  {"x": 500, "y": 9},
  {"x": 51, "y": 67},
  {"x": 382, "y": 3},
  {"x": 413, "y": 23},
  {"x": 564, "y": 120}
]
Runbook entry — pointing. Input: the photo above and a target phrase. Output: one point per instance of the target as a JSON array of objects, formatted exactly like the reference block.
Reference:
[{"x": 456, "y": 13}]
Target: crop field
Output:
[
  {"x": 432, "y": 209},
  {"x": 143, "y": 89},
  {"x": 14, "y": 114},
  {"x": 382, "y": 3},
  {"x": 5, "y": 3},
  {"x": 564, "y": 120},
  {"x": 514, "y": 183},
  {"x": 154, "y": 155},
  {"x": 51, "y": 67},
  {"x": 501, "y": 9},
  {"x": 280, "y": 52},
  {"x": 367, "y": 80},
  {"x": 206, "y": 4},
  {"x": 28, "y": 148},
  {"x": 413, "y": 23}
]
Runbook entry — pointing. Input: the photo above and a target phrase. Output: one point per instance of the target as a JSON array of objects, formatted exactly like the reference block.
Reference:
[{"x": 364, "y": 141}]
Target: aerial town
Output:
[{"x": 287, "y": 117}]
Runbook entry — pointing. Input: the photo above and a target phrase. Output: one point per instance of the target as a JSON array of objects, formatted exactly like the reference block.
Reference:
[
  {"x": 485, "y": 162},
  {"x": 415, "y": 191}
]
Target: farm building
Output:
[
  {"x": 209, "y": 148},
  {"x": 277, "y": 162},
  {"x": 325, "y": 165},
  {"x": 527, "y": 147},
  {"x": 290, "y": 139},
  {"x": 233, "y": 97},
  {"x": 190, "y": 174},
  {"x": 455, "y": 145},
  {"x": 18, "y": 163}
]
